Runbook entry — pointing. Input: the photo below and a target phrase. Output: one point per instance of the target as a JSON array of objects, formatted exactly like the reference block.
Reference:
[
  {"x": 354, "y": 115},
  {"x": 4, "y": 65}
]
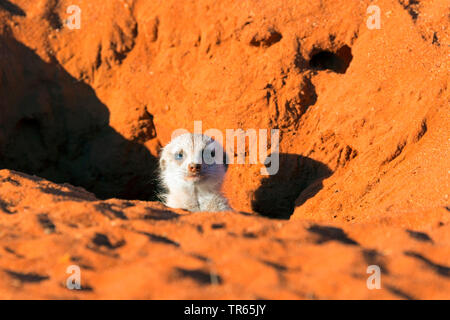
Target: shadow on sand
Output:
[
  {"x": 298, "y": 178},
  {"x": 54, "y": 126}
]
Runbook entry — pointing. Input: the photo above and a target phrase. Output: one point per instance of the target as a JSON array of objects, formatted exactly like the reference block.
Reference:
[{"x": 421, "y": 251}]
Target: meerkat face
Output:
[{"x": 193, "y": 158}]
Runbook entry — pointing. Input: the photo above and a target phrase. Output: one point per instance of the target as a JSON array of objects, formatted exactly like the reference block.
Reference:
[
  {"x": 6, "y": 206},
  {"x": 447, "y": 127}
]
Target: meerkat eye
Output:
[{"x": 179, "y": 155}]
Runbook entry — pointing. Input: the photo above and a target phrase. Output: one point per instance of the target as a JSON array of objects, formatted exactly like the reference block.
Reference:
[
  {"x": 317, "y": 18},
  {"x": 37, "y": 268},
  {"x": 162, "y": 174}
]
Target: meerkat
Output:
[{"x": 192, "y": 169}]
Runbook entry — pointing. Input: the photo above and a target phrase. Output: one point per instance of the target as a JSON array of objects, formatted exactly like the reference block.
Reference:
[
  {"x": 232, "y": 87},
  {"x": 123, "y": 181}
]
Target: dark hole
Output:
[
  {"x": 268, "y": 40},
  {"x": 337, "y": 61}
]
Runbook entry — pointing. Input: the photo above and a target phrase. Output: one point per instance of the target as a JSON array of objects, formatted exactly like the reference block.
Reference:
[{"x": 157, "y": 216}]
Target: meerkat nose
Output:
[{"x": 194, "y": 167}]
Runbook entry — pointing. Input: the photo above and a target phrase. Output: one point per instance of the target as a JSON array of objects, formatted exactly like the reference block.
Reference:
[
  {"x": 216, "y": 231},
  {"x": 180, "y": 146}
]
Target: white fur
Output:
[{"x": 201, "y": 193}]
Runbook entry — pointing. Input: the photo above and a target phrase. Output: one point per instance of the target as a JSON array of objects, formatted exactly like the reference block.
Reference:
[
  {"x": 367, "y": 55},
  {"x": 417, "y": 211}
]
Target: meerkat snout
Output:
[{"x": 192, "y": 169}]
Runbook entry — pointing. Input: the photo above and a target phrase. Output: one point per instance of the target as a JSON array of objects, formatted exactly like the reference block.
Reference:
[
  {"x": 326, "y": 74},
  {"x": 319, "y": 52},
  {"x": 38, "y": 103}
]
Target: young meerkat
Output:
[{"x": 192, "y": 168}]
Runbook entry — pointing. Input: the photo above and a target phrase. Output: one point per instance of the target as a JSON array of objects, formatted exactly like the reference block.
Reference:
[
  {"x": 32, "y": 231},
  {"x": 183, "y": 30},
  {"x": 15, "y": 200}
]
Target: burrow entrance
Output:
[{"x": 337, "y": 61}]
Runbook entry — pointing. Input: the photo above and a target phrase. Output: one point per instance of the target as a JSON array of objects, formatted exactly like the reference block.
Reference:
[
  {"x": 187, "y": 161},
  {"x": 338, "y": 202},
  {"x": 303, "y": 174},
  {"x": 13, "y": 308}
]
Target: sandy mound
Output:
[
  {"x": 364, "y": 147},
  {"x": 135, "y": 249}
]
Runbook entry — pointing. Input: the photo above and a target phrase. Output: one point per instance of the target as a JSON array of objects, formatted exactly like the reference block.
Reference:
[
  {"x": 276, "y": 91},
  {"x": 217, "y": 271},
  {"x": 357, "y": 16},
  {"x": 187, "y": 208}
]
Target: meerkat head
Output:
[{"x": 193, "y": 159}]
